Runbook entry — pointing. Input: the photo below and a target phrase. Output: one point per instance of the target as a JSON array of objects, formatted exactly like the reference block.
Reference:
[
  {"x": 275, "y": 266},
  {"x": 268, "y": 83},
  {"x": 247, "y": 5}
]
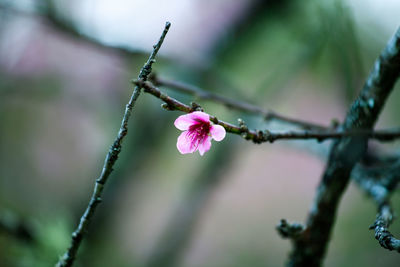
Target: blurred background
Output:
[{"x": 65, "y": 68}]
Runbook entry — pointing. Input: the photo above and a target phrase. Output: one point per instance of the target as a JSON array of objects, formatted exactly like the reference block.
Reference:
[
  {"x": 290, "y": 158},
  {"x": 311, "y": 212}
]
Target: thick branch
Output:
[
  {"x": 232, "y": 103},
  {"x": 267, "y": 136},
  {"x": 112, "y": 156},
  {"x": 309, "y": 250}
]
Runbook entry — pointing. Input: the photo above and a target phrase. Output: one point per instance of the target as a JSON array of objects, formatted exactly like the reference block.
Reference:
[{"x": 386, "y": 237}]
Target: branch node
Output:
[
  {"x": 245, "y": 136},
  {"x": 290, "y": 230},
  {"x": 75, "y": 235},
  {"x": 383, "y": 220},
  {"x": 99, "y": 181},
  {"x": 196, "y": 107},
  {"x": 167, "y": 107},
  {"x": 267, "y": 136},
  {"x": 242, "y": 125}
]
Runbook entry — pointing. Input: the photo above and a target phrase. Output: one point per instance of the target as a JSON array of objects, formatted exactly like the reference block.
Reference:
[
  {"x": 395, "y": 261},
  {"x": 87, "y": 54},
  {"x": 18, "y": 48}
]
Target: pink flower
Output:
[{"x": 198, "y": 132}]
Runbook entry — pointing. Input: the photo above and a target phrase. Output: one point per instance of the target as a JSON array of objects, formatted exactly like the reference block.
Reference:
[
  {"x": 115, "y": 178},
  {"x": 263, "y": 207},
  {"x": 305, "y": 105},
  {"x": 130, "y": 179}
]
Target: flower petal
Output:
[
  {"x": 199, "y": 115},
  {"x": 183, "y": 122},
  {"x": 217, "y": 132},
  {"x": 205, "y": 145},
  {"x": 185, "y": 144}
]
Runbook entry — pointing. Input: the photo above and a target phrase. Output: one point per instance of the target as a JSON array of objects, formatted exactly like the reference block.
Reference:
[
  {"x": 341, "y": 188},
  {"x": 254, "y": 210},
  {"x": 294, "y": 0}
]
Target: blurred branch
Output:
[
  {"x": 378, "y": 181},
  {"x": 309, "y": 249},
  {"x": 231, "y": 103},
  {"x": 289, "y": 230},
  {"x": 16, "y": 227},
  {"x": 112, "y": 156},
  {"x": 46, "y": 11},
  {"x": 267, "y": 136}
]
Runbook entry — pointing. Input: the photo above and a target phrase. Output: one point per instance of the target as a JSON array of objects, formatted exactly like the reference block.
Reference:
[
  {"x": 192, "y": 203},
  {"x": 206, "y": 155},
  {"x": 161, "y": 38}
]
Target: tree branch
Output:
[
  {"x": 267, "y": 136},
  {"x": 289, "y": 230},
  {"x": 378, "y": 182},
  {"x": 13, "y": 225},
  {"x": 381, "y": 225},
  {"x": 309, "y": 250},
  {"x": 112, "y": 156},
  {"x": 232, "y": 103},
  {"x": 46, "y": 12}
]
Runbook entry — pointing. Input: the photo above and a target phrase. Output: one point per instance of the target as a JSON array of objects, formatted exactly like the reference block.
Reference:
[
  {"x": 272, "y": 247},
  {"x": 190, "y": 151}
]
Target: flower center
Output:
[{"x": 199, "y": 130}]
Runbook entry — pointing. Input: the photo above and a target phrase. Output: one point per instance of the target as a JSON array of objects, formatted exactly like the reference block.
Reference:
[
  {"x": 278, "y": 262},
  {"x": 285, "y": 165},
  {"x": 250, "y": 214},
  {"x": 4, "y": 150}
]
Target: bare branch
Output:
[
  {"x": 45, "y": 11},
  {"x": 16, "y": 227},
  {"x": 378, "y": 182},
  {"x": 289, "y": 230},
  {"x": 382, "y": 234},
  {"x": 309, "y": 250},
  {"x": 112, "y": 156},
  {"x": 232, "y": 103},
  {"x": 267, "y": 136}
]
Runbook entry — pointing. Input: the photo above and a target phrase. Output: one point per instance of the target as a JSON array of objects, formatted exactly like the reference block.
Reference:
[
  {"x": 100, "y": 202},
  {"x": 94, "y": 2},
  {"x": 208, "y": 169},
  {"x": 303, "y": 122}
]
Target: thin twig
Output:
[
  {"x": 232, "y": 103},
  {"x": 112, "y": 156},
  {"x": 381, "y": 225},
  {"x": 378, "y": 183},
  {"x": 267, "y": 136},
  {"x": 310, "y": 248}
]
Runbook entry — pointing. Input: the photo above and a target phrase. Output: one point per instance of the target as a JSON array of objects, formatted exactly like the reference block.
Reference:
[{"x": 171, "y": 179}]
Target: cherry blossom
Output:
[{"x": 198, "y": 132}]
